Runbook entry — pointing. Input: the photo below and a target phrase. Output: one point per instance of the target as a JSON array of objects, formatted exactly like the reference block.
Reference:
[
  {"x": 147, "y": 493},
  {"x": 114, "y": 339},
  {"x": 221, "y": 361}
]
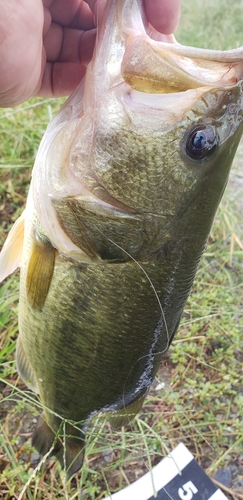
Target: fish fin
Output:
[
  {"x": 127, "y": 413},
  {"x": 11, "y": 252},
  {"x": 24, "y": 369},
  {"x": 40, "y": 271},
  {"x": 71, "y": 456},
  {"x": 69, "y": 452},
  {"x": 44, "y": 438}
]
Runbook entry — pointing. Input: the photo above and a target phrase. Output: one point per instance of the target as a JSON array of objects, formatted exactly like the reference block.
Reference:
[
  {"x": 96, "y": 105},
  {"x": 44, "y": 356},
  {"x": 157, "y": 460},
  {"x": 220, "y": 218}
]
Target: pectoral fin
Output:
[
  {"x": 40, "y": 271},
  {"x": 10, "y": 255}
]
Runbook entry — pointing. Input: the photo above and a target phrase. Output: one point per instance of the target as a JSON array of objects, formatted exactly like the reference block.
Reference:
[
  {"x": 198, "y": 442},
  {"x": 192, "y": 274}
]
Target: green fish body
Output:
[{"x": 125, "y": 187}]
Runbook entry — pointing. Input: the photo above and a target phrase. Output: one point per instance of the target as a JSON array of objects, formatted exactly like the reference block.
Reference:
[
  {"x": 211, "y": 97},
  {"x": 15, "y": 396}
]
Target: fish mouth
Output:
[
  {"x": 156, "y": 63},
  {"x": 167, "y": 67}
]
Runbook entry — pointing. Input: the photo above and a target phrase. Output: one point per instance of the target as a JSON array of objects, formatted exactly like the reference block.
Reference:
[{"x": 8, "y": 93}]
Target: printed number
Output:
[{"x": 187, "y": 491}]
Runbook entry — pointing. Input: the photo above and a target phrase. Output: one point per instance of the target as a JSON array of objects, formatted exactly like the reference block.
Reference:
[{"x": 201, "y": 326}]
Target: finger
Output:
[
  {"x": 163, "y": 14},
  {"x": 77, "y": 46},
  {"x": 47, "y": 21},
  {"x": 53, "y": 42},
  {"x": 69, "y": 45},
  {"x": 91, "y": 4},
  {"x": 66, "y": 67},
  {"x": 61, "y": 79},
  {"x": 20, "y": 50},
  {"x": 73, "y": 13}
]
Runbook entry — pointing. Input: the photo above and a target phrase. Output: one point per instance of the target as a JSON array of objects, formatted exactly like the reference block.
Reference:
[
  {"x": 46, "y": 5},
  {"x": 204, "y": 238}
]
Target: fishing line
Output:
[
  {"x": 150, "y": 282},
  {"x": 159, "y": 303}
]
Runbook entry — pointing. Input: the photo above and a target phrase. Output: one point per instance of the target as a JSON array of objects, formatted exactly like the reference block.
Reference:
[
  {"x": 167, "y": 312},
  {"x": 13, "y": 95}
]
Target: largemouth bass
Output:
[{"x": 124, "y": 190}]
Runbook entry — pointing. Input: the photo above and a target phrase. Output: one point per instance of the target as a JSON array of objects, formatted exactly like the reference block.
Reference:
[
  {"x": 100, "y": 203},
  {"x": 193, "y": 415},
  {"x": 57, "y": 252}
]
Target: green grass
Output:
[
  {"x": 211, "y": 24},
  {"x": 197, "y": 396}
]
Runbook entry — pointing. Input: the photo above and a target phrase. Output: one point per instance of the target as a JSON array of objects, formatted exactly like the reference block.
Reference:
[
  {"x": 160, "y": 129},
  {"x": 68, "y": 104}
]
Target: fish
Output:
[{"x": 124, "y": 190}]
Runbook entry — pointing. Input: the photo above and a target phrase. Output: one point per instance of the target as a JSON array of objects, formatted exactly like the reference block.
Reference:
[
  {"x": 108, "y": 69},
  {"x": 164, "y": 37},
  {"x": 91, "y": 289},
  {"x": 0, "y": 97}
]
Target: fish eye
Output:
[{"x": 201, "y": 142}]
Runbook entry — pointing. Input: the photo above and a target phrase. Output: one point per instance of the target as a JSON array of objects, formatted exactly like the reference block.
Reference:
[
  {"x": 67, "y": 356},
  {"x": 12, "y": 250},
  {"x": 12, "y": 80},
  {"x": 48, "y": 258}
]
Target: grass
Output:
[
  {"x": 211, "y": 24},
  {"x": 197, "y": 396}
]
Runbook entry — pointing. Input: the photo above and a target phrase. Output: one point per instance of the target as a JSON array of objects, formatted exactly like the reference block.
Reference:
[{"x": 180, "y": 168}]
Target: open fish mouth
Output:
[
  {"x": 157, "y": 63},
  {"x": 160, "y": 67}
]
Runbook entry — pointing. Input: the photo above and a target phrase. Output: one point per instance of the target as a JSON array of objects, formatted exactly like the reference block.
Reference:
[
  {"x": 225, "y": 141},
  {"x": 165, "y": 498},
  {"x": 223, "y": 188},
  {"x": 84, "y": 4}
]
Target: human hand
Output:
[
  {"x": 163, "y": 14},
  {"x": 45, "y": 45}
]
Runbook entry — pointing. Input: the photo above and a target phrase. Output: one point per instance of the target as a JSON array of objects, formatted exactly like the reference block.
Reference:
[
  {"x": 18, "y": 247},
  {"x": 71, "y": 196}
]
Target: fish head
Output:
[
  {"x": 151, "y": 153},
  {"x": 165, "y": 117},
  {"x": 152, "y": 127},
  {"x": 144, "y": 144}
]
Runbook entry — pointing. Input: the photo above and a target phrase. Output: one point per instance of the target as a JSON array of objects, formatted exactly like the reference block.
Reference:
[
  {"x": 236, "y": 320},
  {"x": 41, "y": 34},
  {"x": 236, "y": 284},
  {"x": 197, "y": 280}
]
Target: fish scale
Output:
[{"x": 124, "y": 190}]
